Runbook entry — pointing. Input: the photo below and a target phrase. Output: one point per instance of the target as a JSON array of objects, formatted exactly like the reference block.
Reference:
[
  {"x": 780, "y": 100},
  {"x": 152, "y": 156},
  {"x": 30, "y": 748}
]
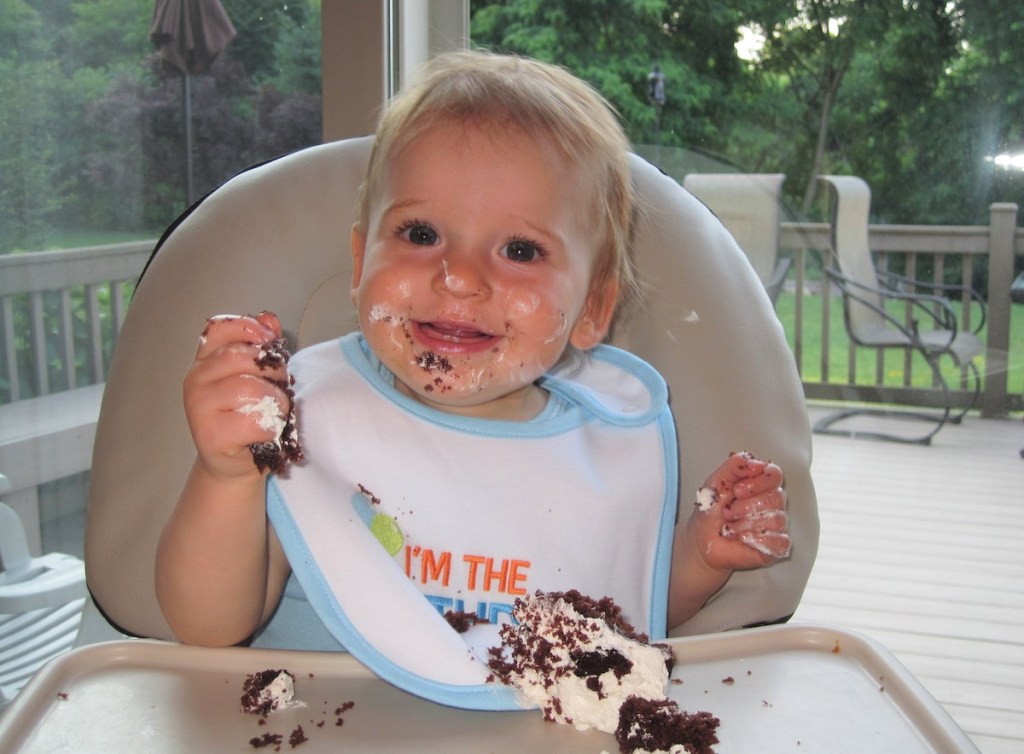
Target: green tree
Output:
[
  {"x": 613, "y": 44},
  {"x": 811, "y": 46}
]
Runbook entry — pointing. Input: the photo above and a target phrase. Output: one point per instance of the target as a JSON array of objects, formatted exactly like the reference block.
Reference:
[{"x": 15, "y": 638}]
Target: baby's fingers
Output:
[
  {"x": 769, "y": 477},
  {"x": 740, "y": 475},
  {"x": 775, "y": 545},
  {"x": 764, "y": 502},
  {"x": 765, "y": 532},
  {"x": 231, "y": 328}
]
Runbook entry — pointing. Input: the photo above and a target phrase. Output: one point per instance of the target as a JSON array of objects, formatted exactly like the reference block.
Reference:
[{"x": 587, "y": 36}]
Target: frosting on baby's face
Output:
[{"x": 473, "y": 275}]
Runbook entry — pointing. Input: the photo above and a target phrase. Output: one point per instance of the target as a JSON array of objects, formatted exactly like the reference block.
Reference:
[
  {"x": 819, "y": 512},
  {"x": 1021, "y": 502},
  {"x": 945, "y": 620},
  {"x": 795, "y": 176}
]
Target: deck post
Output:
[{"x": 1002, "y": 231}]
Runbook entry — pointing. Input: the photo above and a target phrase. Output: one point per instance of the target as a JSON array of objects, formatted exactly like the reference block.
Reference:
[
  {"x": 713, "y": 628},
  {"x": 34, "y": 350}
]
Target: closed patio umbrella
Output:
[{"x": 189, "y": 35}]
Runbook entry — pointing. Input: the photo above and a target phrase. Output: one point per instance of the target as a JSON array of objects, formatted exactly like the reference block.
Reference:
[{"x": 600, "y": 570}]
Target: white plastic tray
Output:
[{"x": 793, "y": 688}]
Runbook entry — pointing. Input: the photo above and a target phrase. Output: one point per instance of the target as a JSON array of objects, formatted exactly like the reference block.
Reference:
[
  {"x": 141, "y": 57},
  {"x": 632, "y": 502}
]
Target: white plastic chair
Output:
[
  {"x": 750, "y": 207},
  {"x": 276, "y": 237},
  {"x": 41, "y": 601}
]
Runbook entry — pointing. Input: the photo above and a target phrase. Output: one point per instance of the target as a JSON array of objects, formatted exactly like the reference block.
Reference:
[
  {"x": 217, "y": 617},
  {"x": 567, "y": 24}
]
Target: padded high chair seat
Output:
[
  {"x": 277, "y": 238},
  {"x": 41, "y": 601}
]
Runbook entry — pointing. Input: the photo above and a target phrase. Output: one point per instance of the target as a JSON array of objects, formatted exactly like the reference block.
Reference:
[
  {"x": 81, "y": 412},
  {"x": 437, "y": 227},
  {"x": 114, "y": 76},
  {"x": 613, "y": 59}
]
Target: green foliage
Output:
[
  {"x": 916, "y": 97},
  {"x": 913, "y": 96},
  {"x": 614, "y": 46},
  {"x": 93, "y": 125},
  {"x": 30, "y": 172}
]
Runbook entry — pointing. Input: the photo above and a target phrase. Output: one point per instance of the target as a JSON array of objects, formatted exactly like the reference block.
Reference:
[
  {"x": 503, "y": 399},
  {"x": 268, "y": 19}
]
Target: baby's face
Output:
[{"x": 473, "y": 273}]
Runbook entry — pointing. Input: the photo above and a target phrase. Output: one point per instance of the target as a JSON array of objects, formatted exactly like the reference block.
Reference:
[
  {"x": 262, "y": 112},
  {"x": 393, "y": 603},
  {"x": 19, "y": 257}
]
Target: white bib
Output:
[{"x": 402, "y": 512}]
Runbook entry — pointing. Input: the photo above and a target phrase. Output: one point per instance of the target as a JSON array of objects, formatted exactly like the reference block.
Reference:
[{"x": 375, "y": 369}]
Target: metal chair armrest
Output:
[
  {"x": 893, "y": 280},
  {"x": 944, "y": 317}
]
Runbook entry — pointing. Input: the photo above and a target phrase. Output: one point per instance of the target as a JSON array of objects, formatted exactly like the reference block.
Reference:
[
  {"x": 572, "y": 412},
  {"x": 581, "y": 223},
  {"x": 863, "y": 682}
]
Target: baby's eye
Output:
[
  {"x": 418, "y": 234},
  {"x": 521, "y": 250}
]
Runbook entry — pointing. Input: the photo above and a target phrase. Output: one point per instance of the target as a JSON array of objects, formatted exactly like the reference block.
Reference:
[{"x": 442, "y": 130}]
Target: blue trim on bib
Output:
[
  {"x": 581, "y": 401},
  {"x": 666, "y": 531}
]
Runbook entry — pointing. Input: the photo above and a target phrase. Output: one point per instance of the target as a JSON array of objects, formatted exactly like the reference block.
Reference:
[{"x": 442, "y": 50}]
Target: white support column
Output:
[{"x": 370, "y": 48}]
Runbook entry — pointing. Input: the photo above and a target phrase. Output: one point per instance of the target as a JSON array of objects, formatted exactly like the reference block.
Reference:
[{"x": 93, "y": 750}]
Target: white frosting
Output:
[
  {"x": 706, "y": 498},
  {"x": 268, "y": 414},
  {"x": 281, "y": 692},
  {"x": 566, "y": 697},
  {"x": 380, "y": 313}
]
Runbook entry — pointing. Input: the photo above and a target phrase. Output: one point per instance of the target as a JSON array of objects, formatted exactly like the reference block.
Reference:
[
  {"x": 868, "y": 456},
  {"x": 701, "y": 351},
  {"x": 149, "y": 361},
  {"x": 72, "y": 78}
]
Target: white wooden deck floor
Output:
[{"x": 922, "y": 548}]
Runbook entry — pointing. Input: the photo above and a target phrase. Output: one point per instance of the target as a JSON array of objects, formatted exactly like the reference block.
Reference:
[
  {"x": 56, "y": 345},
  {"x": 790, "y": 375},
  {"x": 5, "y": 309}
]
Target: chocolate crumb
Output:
[
  {"x": 267, "y": 739},
  {"x": 298, "y": 736},
  {"x": 462, "y": 621}
]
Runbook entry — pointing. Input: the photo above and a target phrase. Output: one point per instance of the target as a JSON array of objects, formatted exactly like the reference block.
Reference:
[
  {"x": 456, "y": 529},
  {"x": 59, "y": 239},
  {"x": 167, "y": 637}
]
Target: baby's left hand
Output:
[{"x": 740, "y": 521}]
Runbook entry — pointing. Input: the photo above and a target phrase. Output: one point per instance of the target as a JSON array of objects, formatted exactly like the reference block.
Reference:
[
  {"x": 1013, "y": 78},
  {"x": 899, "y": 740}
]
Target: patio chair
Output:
[
  {"x": 276, "y": 237},
  {"x": 41, "y": 601},
  {"x": 749, "y": 206},
  {"x": 933, "y": 330}
]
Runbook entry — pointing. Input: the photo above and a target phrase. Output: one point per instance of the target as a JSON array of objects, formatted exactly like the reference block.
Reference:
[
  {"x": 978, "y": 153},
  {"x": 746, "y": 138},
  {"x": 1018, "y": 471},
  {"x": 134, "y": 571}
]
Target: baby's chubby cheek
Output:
[{"x": 523, "y": 306}]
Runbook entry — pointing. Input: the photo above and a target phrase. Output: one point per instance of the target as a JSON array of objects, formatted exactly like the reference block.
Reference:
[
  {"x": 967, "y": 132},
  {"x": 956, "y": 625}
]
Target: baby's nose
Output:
[{"x": 462, "y": 278}]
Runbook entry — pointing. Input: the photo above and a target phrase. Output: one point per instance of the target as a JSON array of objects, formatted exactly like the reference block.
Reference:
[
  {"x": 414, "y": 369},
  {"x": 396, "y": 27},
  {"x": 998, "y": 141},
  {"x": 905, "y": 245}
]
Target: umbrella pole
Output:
[{"x": 186, "y": 98}]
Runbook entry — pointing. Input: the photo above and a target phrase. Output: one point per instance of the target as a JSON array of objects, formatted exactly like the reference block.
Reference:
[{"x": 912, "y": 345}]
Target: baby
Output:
[{"x": 477, "y": 415}]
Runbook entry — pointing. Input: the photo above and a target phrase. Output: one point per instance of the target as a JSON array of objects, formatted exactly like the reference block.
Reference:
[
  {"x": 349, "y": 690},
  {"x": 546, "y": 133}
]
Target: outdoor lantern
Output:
[
  {"x": 656, "y": 96},
  {"x": 656, "y": 87}
]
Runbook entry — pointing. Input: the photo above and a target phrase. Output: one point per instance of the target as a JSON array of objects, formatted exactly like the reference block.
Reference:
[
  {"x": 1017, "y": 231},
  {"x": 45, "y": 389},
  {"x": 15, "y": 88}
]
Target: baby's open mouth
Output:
[{"x": 455, "y": 333}]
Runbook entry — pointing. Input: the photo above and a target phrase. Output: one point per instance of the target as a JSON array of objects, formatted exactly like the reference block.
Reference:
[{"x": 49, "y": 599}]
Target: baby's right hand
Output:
[{"x": 222, "y": 387}]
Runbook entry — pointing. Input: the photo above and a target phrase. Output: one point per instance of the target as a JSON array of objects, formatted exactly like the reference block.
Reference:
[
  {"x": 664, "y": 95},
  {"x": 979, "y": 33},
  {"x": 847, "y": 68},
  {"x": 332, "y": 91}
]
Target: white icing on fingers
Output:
[{"x": 267, "y": 411}]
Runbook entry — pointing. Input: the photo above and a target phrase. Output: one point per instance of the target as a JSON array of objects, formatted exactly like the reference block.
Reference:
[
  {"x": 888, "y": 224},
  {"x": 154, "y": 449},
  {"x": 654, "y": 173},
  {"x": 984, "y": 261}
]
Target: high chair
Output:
[{"x": 277, "y": 238}]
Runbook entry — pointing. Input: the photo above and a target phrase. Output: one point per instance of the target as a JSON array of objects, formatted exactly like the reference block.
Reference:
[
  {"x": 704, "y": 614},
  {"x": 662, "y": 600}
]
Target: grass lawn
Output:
[
  {"x": 838, "y": 356},
  {"x": 75, "y": 239}
]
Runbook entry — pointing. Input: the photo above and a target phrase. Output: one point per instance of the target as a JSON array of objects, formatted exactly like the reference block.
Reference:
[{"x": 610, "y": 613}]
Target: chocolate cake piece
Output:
[
  {"x": 260, "y": 695},
  {"x": 275, "y": 455},
  {"x": 659, "y": 725}
]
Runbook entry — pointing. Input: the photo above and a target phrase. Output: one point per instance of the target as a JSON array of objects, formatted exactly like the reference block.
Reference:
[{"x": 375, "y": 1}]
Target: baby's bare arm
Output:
[
  {"x": 740, "y": 524},
  {"x": 220, "y": 570}
]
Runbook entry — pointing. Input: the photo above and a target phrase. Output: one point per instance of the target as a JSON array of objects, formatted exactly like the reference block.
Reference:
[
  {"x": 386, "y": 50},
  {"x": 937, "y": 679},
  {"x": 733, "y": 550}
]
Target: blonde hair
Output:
[{"x": 482, "y": 89}]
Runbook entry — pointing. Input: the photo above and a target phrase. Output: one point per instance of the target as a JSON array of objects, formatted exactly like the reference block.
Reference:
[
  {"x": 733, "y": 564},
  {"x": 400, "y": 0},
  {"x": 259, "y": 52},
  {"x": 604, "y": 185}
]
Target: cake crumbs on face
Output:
[{"x": 431, "y": 362}]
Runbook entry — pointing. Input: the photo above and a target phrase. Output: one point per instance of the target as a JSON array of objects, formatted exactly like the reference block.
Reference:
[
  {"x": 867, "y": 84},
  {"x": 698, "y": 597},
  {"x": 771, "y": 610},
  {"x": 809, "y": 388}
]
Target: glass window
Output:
[
  {"x": 921, "y": 102},
  {"x": 108, "y": 136},
  {"x": 918, "y": 99}
]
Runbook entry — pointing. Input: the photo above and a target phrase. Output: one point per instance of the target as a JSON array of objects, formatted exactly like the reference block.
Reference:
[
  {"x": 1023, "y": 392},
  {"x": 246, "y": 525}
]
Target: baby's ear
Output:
[
  {"x": 596, "y": 317},
  {"x": 358, "y": 244}
]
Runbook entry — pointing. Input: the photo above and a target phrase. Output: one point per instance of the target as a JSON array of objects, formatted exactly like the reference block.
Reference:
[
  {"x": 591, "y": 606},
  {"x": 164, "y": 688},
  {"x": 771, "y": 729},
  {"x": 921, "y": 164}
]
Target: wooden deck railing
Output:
[
  {"x": 902, "y": 247},
  {"x": 60, "y": 311}
]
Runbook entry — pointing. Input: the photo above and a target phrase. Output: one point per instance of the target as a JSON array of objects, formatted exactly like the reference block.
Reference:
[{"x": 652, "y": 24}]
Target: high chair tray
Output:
[{"x": 796, "y": 688}]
